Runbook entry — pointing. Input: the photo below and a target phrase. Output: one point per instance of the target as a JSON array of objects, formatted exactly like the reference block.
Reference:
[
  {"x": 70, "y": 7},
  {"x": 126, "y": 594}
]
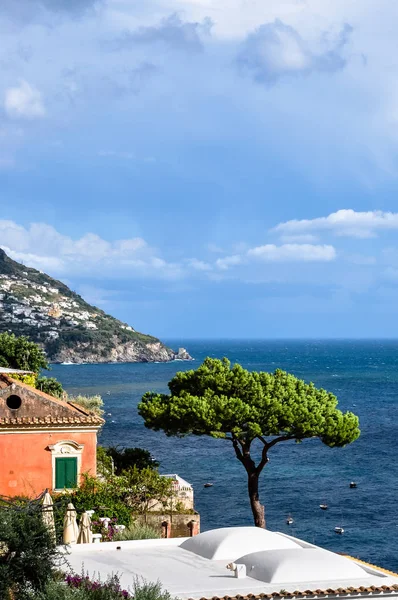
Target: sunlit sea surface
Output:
[{"x": 363, "y": 375}]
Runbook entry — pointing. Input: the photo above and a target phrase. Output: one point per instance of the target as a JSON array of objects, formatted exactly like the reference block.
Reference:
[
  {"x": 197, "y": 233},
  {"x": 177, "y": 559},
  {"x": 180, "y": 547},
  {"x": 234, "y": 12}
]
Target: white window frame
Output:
[{"x": 66, "y": 449}]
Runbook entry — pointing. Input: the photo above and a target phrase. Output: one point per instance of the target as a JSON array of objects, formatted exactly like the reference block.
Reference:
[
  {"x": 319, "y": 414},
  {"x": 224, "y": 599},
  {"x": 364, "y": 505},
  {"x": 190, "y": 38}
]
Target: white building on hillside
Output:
[{"x": 183, "y": 491}]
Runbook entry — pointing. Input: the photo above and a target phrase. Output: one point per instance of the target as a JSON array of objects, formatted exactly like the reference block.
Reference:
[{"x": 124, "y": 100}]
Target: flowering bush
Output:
[
  {"x": 80, "y": 587},
  {"x": 108, "y": 533},
  {"x": 98, "y": 590}
]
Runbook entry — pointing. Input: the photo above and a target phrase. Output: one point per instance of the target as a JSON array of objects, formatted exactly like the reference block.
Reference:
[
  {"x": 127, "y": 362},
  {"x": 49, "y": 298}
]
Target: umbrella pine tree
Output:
[{"x": 242, "y": 407}]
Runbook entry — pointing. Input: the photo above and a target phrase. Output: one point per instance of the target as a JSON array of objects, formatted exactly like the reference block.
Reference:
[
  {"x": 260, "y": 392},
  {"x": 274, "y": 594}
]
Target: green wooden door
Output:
[{"x": 65, "y": 473}]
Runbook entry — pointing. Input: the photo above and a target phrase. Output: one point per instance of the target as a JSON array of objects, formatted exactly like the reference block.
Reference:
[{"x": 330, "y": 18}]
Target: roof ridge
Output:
[
  {"x": 49, "y": 420},
  {"x": 77, "y": 414},
  {"x": 59, "y": 401},
  {"x": 79, "y": 407}
]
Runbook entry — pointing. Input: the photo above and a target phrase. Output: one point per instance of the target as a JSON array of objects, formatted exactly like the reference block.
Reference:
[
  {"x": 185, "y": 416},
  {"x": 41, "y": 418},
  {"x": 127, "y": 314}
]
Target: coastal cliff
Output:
[{"x": 68, "y": 328}]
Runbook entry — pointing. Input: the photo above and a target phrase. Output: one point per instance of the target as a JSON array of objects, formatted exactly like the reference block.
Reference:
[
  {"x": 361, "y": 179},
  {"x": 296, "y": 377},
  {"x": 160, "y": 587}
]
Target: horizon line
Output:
[{"x": 281, "y": 339}]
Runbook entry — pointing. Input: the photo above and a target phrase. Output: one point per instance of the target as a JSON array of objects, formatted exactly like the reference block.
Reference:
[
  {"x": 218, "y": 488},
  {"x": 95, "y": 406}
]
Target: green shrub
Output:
[
  {"x": 55, "y": 590},
  {"x": 136, "y": 531},
  {"x": 142, "y": 590},
  {"x": 120, "y": 496},
  {"x": 28, "y": 379},
  {"x": 50, "y": 385},
  {"x": 104, "y": 497},
  {"x": 77, "y": 587},
  {"x": 105, "y": 465},
  {"x": 128, "y": 458},
  {"x": 21, "y": 353},
  {"x": 82, "y": 588},
  {"x": 27, "y": 551},
  {"x": 91, "y": 403}
]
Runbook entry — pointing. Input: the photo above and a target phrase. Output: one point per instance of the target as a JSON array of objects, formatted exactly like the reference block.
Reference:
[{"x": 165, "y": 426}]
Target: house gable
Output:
[
  {"x": 45, "y": 442},
  {"x": 20, "y": 403}
]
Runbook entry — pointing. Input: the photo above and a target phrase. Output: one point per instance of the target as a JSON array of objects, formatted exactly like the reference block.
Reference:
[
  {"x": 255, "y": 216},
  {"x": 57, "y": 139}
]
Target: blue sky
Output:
[{"x": 203, "y": 168}]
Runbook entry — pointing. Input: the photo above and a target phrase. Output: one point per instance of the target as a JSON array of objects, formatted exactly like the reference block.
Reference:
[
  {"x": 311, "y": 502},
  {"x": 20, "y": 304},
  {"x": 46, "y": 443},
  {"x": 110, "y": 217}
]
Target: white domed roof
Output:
[
  {"x": 295, "y": 565},
  {"x": 230, "y": 542}
]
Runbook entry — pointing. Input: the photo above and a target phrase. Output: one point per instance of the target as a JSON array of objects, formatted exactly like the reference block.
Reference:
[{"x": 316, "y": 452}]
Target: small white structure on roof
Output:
[
  {"x": 295, "y": 565},
  {"x": 275, "y": 564},
  {"x": 233, "y": 542}
]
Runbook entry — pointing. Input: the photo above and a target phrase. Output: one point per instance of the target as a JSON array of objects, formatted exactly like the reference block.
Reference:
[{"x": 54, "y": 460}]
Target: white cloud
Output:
[
  {"x": 25, "y": 11},
  {"x": 97, "y": 296},
  {"x": 172, "y": 32},
  {"x": 43, "y": 247},
  {"x": 346, "y": 222},
  {"x": 287, "y": 253},
  {"x": 24, "y": 101},
  {"x": 199, "y": 265},
  {"x": 293, "y": 253},
  {"x": 304, "y": 238},
  {"x": 229, "y": 261},
  {"x": 48, "y": 264},
  {"x": 276, "y": 50}
]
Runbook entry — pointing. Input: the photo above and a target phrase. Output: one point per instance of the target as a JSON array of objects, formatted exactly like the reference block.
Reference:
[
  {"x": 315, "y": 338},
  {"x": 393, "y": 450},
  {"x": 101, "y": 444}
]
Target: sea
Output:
[{"x": 299, "y": 477}]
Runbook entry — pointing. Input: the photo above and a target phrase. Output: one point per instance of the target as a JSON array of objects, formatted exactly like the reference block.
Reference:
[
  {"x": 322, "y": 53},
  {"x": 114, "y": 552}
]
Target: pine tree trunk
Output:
[{"x": 257, "y": 508}]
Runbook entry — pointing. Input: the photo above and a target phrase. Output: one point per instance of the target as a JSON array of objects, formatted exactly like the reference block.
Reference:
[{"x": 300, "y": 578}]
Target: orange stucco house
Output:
[{"x": 44, "y": 442}]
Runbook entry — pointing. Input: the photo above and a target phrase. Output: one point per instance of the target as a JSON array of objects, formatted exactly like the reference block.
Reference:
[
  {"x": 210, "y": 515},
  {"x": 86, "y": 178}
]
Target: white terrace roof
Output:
[
  {"x": 181, "y": 482},
  {"x": 7, "y": 371},
  {"x": 276, "y": 565}
]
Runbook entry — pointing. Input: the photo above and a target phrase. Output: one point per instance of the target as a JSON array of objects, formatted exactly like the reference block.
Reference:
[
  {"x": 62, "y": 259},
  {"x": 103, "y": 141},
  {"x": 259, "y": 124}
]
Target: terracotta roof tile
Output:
[
  {"x": 29, "y": 421},
  {"x": 330, "y": 591},
  {"x": 318, "y": 592}
]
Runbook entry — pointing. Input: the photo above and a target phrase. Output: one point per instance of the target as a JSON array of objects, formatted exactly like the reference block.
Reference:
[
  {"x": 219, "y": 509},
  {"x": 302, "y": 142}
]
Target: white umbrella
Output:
[
  {"x": 48, "y": 514},
  {"x": 85, "y": 534},
  {"x": 71, "y": 530}
]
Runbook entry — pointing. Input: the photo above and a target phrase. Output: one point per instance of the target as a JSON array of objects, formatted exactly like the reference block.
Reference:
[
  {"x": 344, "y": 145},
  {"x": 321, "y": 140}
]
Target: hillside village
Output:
[
  {"x": 65, "y": 325},
  {"x": 42, "y": 306}
]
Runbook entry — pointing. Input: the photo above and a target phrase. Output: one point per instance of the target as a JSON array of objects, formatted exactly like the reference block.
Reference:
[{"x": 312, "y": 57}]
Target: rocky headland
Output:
[{"x": 68, "y": 328}]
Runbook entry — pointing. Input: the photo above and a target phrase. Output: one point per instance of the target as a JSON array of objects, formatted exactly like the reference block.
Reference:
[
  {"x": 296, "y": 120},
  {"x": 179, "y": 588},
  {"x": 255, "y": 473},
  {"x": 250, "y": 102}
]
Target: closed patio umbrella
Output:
[
  {"x": 71, "y": 530},
  {"x": 48, "y": 514},
  {"x": 85, "y": 534}
]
